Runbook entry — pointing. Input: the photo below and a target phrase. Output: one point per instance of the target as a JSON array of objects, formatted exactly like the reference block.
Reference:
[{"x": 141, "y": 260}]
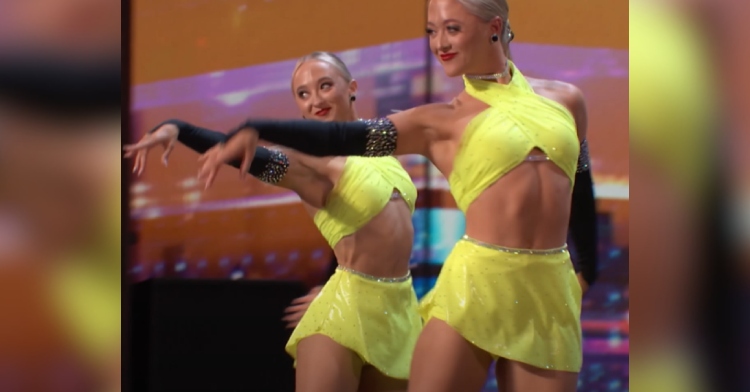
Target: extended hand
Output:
[
  {"x": 299, "y": 306},
  {"x": 239, "y": 146},
  {"x": 166, "y": 136}
]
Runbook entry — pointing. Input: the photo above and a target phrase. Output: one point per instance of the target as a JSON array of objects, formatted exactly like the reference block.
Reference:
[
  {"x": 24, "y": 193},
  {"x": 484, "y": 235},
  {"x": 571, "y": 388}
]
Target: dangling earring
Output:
[
  {"x": 510, "y": 31},
  {"x": 495, "y": 38},
  {"x": 353, "y": 98}
]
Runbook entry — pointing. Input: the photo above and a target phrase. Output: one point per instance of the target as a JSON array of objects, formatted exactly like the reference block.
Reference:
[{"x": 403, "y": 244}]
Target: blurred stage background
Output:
[{"x": 214, "y": 63}]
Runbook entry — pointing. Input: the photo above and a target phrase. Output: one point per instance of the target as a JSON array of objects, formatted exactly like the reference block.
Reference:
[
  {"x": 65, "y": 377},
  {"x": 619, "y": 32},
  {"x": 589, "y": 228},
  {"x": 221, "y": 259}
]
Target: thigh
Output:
[
  {"x": 445, "y": 361},
  {"x": 515, "y": 376},
  {"x": 325, "y": 366},
  {"x": 372, "y": 380}
]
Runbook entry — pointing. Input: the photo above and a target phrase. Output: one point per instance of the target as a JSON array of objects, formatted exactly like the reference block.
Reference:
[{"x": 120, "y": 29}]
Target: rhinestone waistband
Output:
[
  {"x": 376, "y": 278},
  {"x": 561, "y": 249}
]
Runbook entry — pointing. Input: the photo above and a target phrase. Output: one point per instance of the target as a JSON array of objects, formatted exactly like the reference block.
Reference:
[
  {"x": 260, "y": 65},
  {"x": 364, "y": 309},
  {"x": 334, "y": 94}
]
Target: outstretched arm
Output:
[
  {"x": 286, "y": 168},
  {"x": 407, "y": 132},
  {"x": 267, "y": 165},
  {"x": 583, "y": 220}
]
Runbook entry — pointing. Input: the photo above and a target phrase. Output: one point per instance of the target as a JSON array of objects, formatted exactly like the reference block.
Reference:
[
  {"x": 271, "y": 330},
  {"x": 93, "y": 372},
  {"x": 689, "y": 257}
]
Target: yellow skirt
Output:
[
  {"x": 377, "y": 318},
  {"x": 523, "y": 305}
]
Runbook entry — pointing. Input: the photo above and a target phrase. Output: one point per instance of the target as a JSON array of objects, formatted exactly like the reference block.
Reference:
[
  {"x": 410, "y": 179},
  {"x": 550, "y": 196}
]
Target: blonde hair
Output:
[
  {"x": 486, "y": 10},
  {"x": 327, "y": 57}
]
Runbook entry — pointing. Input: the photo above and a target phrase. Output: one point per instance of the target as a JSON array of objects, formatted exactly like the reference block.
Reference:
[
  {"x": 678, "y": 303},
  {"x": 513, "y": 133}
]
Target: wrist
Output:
[
  {"x": 172, "y": 126},
  {"x": 246, "y": 131}
]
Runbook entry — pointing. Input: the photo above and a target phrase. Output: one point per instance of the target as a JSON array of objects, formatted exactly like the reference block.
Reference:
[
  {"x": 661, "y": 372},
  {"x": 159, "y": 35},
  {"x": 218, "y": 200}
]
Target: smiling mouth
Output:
[
  {"x": 322, "y": 112},
  {"x": 447, "y": 56}
]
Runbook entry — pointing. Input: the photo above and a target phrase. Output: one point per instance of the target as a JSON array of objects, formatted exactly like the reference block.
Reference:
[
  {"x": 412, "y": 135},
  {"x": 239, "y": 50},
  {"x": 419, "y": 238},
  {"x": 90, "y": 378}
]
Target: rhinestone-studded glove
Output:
[{"x": 268, "y": 165}]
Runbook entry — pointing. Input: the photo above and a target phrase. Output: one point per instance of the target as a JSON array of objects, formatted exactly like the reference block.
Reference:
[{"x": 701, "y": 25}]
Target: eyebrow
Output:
[{"x": 444, "y": 22}]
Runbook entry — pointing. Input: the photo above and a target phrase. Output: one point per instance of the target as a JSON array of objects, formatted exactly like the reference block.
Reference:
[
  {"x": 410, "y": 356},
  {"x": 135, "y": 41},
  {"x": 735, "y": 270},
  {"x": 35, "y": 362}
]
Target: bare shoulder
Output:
[
  {"x": 427, "y": 116},
  {"x": 420, "y": 126},
  {"x": 568, "y": 95}
]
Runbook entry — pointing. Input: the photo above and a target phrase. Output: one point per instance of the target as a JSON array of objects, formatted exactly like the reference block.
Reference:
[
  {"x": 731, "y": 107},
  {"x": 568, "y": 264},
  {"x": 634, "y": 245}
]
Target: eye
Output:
[
  {"x": 302, "y": 94},
  {"x": 326, "y": 85},
  {"x": 454, "y": 29},
  {"x": 430, "y": 31}
]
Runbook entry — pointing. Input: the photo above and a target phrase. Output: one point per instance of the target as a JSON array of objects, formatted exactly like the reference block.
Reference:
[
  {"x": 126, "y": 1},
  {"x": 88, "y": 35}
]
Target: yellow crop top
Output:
[
  {"x": 361, "y": 193},
  {"x": 502, "y": 136}
]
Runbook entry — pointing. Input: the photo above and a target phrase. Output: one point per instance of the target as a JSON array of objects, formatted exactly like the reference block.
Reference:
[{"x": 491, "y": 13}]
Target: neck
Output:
[
  {"x": 352, "y": 116},
  {"x": 500, "y": 72}
]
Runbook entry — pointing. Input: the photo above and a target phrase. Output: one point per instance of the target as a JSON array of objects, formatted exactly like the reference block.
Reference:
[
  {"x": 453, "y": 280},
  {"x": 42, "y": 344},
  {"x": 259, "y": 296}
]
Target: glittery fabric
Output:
[
  {"x": 376, "y": 278},
  {"x": 381, "y": 141},
  {"x": 523, "y": 306},
  {"x": 275, "y": 169},
  {"x": 515, "y": 251},
  {"x": 501, "y": 137},
  {"x": 584, "y": 162},
  {"x": 377, "y": 320},
  {"x": 361, "y": 193}
]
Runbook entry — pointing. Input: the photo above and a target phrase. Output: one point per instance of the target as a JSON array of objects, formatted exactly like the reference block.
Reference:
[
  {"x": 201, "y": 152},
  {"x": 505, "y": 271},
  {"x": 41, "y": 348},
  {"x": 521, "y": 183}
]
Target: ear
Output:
[
  {"x": 353, "y": 87},
  {"x": 496, "y": 26}
]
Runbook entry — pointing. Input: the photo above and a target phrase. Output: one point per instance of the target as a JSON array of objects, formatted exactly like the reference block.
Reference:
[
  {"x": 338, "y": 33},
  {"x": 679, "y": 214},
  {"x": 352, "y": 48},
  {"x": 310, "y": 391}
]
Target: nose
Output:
[
  {"x": 317, "y": 101},
  {"x": 443, "y": 43}
]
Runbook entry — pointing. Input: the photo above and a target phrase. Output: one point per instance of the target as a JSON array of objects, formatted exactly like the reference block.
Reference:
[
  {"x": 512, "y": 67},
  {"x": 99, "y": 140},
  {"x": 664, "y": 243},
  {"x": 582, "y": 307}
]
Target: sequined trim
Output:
[
  {"x": 561, "y": 249},
  {"x": 381, "y": 140},
  {"x": 275, "y": 169},
  {"x": 376, "y": 278},
  {"x": 537, "y": 158},
  {"x": 583, "y": 158}
]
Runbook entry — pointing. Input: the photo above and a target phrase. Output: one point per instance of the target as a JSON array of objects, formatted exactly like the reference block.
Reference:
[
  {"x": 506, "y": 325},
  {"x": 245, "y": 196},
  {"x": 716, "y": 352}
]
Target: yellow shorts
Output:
[
  {"x": 523, "y": 305},
  {"x": 376, "y": 318}
]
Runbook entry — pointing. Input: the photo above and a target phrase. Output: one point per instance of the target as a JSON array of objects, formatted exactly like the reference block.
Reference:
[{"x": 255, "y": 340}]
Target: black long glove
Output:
[
  {"x": 267, "y": 165},
  {"x": 583, "y": 225},
  {"x": 317, "y": 138}
]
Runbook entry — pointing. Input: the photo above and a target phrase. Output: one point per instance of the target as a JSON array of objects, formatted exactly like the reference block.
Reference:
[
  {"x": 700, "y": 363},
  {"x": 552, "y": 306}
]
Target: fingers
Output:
[
  {"x": 208, "y": 155},
  {"x": 293, "y": 324},
  {"x": 306, "y": 299},
  {"x": 211, "y": 177},
  {"x": 138, "y": 162},
  {"x": 167, "y": 151},
  {"x": 247, "y": 159},
  {"x": 208, "y": 168},
  {"x": 204, "y": 157},
  {"x": 293, "y": 316},
  {"x": 296, "y": 308},
  {"x": 207, "y": 172},
  {"x": 141, "y": 162},
  {"x": 293, "y": 319},
  {"x": 135, "y": 164},
  {"x": 146, "y": 142}
]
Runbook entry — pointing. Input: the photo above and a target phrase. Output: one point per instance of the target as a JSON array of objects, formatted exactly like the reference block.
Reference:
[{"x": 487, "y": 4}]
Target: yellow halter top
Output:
[
  {"x": 361, "y": 193},
  {"x": 502, "y": 136}
]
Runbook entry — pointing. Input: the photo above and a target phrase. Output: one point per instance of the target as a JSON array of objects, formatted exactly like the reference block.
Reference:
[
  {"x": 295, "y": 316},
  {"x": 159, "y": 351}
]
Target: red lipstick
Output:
[
  {"x": 322, "y": 112},
  {"x": 447, "y": 56}
]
